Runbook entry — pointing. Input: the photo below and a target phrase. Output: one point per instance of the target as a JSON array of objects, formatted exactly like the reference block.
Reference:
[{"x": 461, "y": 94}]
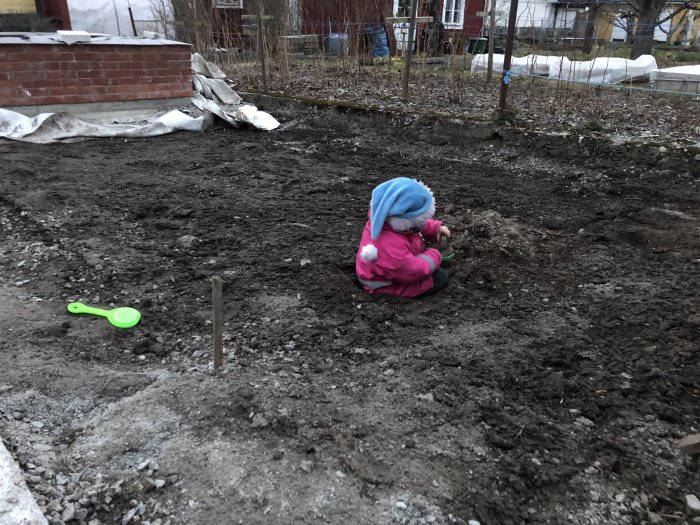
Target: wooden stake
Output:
[
  {"x": 409, "y": 52},
  {"x": 217, "y": 299},
  {"x": 261, "y": 46},
  {"x": 492, "y": 39}
]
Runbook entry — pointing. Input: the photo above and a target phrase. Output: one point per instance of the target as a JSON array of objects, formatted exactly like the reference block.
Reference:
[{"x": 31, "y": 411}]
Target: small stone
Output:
[
  {"x": 401, "y": 505},
  {"x": 584, "y": 421},
  {"x": 259, "y": 421},
  {"x": 304, "y": 262},
  {"x": 306, "y": 466},
  {"x": 426, "y": 397},
  {"x": 37, "y": 424},
  {"x": 159, "y": 483},
  {"x": 129, "y": 515},
  {"x": 62, "y": 480},
  {"x": 81, "y": 514},
  {"x": 143, "y": 464},
  {"x": 187, "y": 240},
  {"x": 68, "y": 512},
  {"x": 536, "y": 462},
  {"x": 654, "y": 518},
  {"x": 339, "y": 474},
  {"x": 693, "y": 502},
  {"x": 663, "y": 149},
  {"x": 473, "y": 522}
]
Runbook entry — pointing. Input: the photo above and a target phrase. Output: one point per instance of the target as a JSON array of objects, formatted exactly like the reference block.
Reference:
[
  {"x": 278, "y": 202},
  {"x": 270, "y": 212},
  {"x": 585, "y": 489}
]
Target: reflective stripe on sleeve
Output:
[
  {"x": 373, "y": 285},
  {"x": 428, "y": 260}
]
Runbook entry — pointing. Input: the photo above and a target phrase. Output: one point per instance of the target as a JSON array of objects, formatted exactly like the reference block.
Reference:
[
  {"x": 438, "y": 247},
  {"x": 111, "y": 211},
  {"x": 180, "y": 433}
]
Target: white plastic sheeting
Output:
[
  {"x": 52, "y": 127},
  {"x": 17, "y": 506},
  {"x": 213, "y": 95},
  {"x": 602, "y": 70},
  {"x": 537, "y": 65},
  {"x": 112, "y": 16}
]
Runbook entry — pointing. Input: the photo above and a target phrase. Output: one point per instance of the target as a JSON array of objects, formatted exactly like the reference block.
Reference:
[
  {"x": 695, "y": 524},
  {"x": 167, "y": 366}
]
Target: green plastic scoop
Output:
[
  {"x": 120, "y": 317},
  {"x": 447, "y": 251}
]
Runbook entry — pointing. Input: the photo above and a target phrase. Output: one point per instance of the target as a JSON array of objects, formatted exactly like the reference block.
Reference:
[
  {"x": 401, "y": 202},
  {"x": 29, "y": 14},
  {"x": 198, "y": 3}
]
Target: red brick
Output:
[
  {"x": 110, "y": 56},
  {"x": 71, "y": 66},
  {"x": 61, "y": 75},
  {"x": 41, "y": 101},
  {"x": 19, "y": 76}
]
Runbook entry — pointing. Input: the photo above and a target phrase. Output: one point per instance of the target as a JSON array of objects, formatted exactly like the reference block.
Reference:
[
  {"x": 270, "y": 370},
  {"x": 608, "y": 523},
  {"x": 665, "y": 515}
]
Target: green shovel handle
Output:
[{"x": 80, "y": 308}]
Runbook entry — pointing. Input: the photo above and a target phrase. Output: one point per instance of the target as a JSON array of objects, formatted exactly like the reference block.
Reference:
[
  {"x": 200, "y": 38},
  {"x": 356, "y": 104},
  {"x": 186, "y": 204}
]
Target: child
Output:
[{"x": 391, "y": 258}]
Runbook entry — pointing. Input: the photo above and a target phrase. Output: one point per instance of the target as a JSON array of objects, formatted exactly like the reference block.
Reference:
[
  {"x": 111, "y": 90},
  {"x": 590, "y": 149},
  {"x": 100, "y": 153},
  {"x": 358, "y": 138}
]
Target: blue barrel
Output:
[{"x": 379, "y": 41}]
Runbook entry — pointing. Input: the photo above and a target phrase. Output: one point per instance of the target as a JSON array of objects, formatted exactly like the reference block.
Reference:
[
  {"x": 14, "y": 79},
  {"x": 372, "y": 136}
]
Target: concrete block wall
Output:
[{"x": 35, "y": 74}]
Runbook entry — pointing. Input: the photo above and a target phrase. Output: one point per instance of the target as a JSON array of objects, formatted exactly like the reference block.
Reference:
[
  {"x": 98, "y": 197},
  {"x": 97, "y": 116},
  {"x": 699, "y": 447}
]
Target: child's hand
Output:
[{"x": 444, "y": 231}]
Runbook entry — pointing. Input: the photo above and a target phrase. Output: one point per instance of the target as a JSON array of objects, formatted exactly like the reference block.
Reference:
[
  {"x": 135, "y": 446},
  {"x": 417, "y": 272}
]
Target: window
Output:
[
  {"x": 228, "y": 4},
  {"x": 453, "y": 13}
]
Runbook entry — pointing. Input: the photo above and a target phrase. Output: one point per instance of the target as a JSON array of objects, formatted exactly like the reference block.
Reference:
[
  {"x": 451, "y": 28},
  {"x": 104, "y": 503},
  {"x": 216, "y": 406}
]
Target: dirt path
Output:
[{"x": 548, "y": 384}]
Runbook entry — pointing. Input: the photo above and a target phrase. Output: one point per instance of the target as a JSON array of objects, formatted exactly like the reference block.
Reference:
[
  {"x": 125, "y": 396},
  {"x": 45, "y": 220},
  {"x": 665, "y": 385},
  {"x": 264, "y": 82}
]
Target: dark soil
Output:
[{"x": 548, "y": 383}]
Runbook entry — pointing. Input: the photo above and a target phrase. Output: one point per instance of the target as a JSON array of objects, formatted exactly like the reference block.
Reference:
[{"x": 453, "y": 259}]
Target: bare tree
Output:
[{"x": 648, "y": 15}]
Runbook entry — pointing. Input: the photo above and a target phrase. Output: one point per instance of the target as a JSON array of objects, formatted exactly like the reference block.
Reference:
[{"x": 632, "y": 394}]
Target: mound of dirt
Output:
[{"x": 488, "y": 232}]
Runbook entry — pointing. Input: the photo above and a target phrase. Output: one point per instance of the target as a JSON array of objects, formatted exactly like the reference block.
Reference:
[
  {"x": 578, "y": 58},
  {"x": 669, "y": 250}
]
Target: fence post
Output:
[
  {"x": 261, "y": 46},
  {"x": 409, "y": 51},
  {"x": 505, "y": 78},
  {"x": 492, "y": 39}
]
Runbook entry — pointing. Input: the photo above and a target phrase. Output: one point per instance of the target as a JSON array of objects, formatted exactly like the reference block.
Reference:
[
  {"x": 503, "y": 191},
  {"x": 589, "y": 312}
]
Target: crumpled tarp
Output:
[
  {"x": 52, "y": 127},
  {"x": 601, "y": 70},
  {"x": 213, "y": 95}
]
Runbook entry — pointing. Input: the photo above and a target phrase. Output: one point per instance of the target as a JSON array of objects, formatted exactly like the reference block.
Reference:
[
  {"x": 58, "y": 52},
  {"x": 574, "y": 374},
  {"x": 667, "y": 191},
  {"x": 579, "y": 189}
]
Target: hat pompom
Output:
[{"x": 369, "y": 253}]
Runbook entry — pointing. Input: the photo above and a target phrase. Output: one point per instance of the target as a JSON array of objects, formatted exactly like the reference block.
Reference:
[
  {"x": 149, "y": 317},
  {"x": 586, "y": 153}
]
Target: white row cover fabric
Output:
[{"x": 602, "y": 70}]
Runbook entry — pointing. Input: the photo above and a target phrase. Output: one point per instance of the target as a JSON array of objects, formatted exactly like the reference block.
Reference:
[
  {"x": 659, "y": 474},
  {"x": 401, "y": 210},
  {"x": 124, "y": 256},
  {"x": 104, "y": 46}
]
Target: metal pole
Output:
[
  {"x": 409, "y": 51},
  {"x": 492, "y": 39},
  {"x": 505, "y": 79},
  {"x": 133, "y": 23}
]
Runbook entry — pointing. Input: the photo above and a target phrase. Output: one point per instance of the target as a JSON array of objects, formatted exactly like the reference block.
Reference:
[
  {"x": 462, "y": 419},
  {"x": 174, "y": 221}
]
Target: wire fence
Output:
[{"x": 350, "y": 51}]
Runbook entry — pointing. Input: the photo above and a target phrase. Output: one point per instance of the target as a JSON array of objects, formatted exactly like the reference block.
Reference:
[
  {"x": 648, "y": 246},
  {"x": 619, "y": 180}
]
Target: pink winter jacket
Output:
[{"x": 402, "y": 266}]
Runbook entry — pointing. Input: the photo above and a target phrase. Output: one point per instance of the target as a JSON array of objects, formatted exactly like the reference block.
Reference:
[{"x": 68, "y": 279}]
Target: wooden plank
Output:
[
  {"x": 405, "y": 19},
  {"x": 690, "y": 444},
  {"x": 217, "y": 299}
]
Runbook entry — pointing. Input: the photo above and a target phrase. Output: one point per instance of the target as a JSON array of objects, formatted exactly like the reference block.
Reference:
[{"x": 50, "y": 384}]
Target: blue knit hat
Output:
[{"x": 400, "y": 198}]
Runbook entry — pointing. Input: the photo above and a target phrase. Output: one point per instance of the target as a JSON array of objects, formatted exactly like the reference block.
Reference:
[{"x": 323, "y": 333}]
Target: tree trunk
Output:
[
  {"x": 589, "y": 30},
  {"x": 647, "y": 16}
]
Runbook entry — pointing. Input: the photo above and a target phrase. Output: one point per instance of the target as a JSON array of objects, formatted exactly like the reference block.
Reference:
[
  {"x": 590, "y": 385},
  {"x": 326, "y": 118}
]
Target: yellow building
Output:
[{"x": 17, "y": 6}]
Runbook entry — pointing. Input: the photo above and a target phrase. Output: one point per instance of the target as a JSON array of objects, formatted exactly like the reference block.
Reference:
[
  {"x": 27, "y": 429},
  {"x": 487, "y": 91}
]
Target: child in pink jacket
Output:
[{"x": 391, "y": 258}]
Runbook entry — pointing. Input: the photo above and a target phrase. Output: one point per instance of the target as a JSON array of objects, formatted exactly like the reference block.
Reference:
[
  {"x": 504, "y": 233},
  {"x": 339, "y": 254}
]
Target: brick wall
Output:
[{"x": 40, "y": 74}]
